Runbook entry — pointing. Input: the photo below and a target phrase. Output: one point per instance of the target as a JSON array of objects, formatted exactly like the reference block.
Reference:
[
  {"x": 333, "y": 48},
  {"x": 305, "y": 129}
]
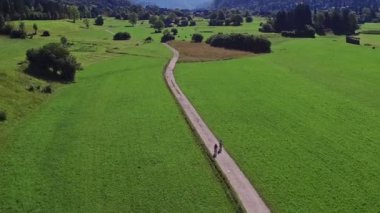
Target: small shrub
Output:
[
  {"x": 99, "y": 21},
  {"x": 290, "y": 34},
  {"x": 3, "y": 116},
  {"x": 122, "y": 36},
  {"x": 249, "y": 19},
  {"x": 18, "y": 34},
  {"x": 148, "y": 40},
  {"x": 167, "y": 37},
  {"x": 307, "y": 32},
  {"x": 193, "y": 23},
  {"x": 197, "y": 38},
  {"x": 352, "y": 40},
  {"x": 30, "y": 88},
  {"x": 45, "y": 33},
  {"x": 266, "y": 28},
  {"x": 174, "y": 31},
  {"x": 184, "y": 23},
  {"x": 7, "y": 29},
  {"x": 47, "y": 89}
]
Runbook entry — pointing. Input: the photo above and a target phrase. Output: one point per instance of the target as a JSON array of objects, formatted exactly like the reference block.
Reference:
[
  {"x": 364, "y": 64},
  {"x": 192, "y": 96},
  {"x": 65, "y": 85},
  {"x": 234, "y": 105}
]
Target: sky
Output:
[{"x": 182, "y": 4}]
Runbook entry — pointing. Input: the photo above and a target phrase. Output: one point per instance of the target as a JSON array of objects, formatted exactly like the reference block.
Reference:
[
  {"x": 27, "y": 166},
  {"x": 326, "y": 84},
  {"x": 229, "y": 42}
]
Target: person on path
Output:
[
  {"x": 215, "y": 150},
  {"x": 220, "y": 146}
]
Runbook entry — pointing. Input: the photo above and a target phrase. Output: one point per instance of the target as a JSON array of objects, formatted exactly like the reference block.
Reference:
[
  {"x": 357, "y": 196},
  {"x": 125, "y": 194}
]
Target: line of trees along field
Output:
[
  {"x": 273, "y": 5},
  {"x": 302, "y": 22}
]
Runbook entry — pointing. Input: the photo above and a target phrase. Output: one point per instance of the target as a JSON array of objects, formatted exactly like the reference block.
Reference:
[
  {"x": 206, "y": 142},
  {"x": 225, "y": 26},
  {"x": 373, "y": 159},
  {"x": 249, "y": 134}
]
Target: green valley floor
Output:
[
  {"x": 303, "y": 122},
  {"x": 114, "y": 141}
]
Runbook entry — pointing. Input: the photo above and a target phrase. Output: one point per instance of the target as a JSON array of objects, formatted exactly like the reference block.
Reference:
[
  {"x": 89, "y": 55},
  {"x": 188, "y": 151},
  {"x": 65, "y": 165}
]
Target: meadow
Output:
[
  {"x": 113, "y": 141},
  {"x": 302, "y": 122}
]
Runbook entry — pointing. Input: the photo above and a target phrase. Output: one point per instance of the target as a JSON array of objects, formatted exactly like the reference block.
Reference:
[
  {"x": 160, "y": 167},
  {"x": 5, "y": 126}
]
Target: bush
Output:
[
  {"x": 3, "y": 116},
  {"x": 352, "y": 40},
  {"x": 52, "y": 62},
  {"x": 193, "y": 23},
  {"x": 46, "y": 33},
  {"x": 216, "y": 22},
  {"x": 174, "y": 31},
  {"x": 249, "y": 19},
  {"x": 290, "y": 34},
  {"x": 148, "y": 40},
  {"x": 167, "y": 37},
  {"x": 122, "y": 36},
  {"x": 18, "y": 34},
  {"x": 307, "y": 32},
  {"x": 184, "y": 23},
  {"x": 47, "y": 89},
  {"x": 99, "y": 21},
  {"x": 266, "y": 28},
  {"x": 7, "y": 29},
  {"x": 197, "y": 38},
  {"x": 243, "y": 42}
]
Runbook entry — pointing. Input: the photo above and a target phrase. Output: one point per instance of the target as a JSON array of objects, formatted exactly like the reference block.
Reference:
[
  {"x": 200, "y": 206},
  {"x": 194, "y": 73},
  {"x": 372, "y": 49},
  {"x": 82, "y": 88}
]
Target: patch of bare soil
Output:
[{"x": 195, "y": 52}]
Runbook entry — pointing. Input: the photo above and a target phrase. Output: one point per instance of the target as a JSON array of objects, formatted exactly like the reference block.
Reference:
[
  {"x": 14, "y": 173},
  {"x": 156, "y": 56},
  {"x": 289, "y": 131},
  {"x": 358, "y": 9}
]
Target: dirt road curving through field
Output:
[{"x": 242, "y": 188}]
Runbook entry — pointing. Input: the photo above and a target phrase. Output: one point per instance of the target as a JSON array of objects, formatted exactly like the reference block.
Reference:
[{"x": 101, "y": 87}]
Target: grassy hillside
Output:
[
  {"x": 302, "y": 122},
  {"x": 114, "y": 141}
]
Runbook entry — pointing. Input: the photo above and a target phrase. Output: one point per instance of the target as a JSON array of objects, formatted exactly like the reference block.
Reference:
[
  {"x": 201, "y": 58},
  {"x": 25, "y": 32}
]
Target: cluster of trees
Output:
[
  {"x": 161, "y": 22},
  {"x": 52, "y": 62},
  {"x": 228, "y": 18},
  {"x": 239, "y": 41},
  {"x": 168, "y": 36},
  {"x": 13, "y": 32},
  {"x": 340, "y": 21},
  {"x": 301, "y": 22}
]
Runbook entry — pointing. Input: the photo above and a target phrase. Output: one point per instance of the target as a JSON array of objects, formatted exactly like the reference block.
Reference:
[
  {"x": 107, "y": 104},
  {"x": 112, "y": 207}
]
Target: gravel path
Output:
[{"x": 246, "y": 194}]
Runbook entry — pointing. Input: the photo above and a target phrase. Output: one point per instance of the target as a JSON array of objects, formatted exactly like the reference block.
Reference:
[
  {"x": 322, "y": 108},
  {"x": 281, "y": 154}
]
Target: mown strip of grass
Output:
[{"x": 302, "y": 122}]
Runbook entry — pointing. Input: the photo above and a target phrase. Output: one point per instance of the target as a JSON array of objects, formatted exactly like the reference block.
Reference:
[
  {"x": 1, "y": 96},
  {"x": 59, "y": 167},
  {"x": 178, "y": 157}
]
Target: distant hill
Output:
[{"x": 271, "y": 5}]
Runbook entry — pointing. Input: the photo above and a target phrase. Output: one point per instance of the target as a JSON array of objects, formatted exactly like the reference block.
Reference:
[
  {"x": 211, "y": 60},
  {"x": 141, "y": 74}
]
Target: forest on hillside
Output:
[{"x": 272, "y": 5}]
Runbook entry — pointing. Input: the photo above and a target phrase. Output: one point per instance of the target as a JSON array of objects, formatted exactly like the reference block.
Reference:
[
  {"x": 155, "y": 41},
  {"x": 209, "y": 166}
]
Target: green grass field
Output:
[
  {"x": 302, "y": 122},
  {"x": 113, "y": 141}
]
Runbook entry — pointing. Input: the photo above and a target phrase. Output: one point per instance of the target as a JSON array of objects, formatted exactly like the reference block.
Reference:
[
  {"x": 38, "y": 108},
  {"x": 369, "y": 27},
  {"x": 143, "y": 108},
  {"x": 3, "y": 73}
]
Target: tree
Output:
[
  {"x": 319, "y": 23},
  {"x": 249, "y": 19},
  {"x": 197, "y": 38},
  {"x": 86, "y": 23},
  {"x": 133, "y": 18},
  {"x": 302, "y": 16},
  {"x": 73, "y": 13},
  {"x": 153, "y": 19},
  {"x": 174, "y": 31},
  {"x": 159, "y": 25},
  {"x": 237, "y": 20},
  {"x": 52, "y": 62},
  {"x": 99, "y": 21},
  {"x": 35, "y": 28},
  {"x": 167, "y": 37},
  {"x": 21, "y": 26},
  {"x": 2, "y": 22},
  {"x": 172, "y": 16},
  {"x": 193, "y": 23},
  {"x": 64, "y": 41}
]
